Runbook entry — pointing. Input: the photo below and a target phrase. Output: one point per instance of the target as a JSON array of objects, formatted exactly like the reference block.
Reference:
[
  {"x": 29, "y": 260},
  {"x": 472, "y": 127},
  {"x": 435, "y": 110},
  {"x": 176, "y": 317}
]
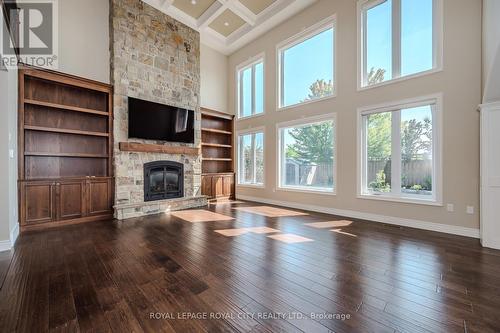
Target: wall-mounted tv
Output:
[{"x": 153, "y": 121}]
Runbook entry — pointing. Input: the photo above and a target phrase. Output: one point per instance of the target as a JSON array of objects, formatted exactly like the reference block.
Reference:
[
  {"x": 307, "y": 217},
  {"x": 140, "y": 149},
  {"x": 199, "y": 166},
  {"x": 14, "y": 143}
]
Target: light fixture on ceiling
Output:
[
  {"x": 193, "y": 2},
  {"x": 226, "y": 24}
]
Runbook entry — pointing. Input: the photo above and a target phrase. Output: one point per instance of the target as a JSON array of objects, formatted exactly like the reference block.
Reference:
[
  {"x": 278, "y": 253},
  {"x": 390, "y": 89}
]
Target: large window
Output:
[
  {"x": 251, "y": 158},
  {"x": 251, "y": 88},
  {"x": 306, "y": 66},
  {"x": 400, "y": 151},
  {"x": 399, "y": 38},
  {"x": 307, "y": 155}
]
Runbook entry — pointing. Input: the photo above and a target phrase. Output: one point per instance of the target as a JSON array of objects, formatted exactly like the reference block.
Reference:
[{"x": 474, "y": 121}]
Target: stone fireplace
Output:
[
  {"x": 153, "y": 58},
  {"x": 163, "y": 180}
]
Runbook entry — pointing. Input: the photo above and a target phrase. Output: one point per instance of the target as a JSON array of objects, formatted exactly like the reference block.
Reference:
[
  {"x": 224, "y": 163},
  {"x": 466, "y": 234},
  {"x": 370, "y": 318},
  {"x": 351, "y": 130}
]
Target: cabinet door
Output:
[
  {"x": 70, "y": 199},
  {"x": 206, "y": 186},
  {"x": 228, "y": 185},
  {"x": 217, "y": 186},
  {"x": 37, "y": 202},
  {"x": 99, "y": 197}
]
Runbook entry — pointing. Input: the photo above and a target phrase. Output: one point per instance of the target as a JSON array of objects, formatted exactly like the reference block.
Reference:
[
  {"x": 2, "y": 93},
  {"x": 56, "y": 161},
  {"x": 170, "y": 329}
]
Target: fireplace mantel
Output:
[{"x": 152, "y": 148}]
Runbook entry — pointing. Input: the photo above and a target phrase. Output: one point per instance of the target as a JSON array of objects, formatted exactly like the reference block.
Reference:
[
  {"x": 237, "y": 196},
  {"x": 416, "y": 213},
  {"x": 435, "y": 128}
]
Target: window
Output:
[
  {"x": 400, "y": 152},
  {"x": 251, "y": 158},
  {"x": 306, "y": 66},
  {"x": 399, "y": 38},
  {"x": 251, "y": 89},
  {"x": 307, "y": 155}
]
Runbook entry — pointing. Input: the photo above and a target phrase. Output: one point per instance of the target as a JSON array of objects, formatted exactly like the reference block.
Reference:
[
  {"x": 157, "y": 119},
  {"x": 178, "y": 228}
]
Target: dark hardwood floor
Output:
[{"x": 156, "y": 273}]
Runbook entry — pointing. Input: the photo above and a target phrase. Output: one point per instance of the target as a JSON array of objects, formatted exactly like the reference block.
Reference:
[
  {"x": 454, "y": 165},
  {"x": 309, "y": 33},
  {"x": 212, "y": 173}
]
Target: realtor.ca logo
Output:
[{"x": 30, "y": 35}]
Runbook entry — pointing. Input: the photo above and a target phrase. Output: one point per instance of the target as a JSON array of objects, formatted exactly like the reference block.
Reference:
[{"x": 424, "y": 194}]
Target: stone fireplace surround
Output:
[{"x": 155, "y": 58}]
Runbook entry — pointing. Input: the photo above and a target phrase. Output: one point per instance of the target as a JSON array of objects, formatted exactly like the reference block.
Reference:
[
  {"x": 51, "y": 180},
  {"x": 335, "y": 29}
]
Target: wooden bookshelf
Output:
[
  {"x": 65, "y": 149},
  {"x": 217, "y": 154}
]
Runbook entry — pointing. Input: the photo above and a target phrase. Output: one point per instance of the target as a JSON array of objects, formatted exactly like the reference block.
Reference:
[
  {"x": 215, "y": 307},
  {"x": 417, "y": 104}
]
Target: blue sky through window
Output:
[{"x": 305, "y": 63}]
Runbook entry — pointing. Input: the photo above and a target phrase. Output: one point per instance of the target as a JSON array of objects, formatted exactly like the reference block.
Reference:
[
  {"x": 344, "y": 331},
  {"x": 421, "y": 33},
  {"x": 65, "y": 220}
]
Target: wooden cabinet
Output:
[
  {"x": 38, "y": 198},
  {"x": 217, "y": 180},
  {"x": 63, "y": 200},
  {"x": 218, "y": 186},
  {"x": 65, "y": 149},
  {"x": 99, "y": 196},
  {"x": 70, "y": 199}
]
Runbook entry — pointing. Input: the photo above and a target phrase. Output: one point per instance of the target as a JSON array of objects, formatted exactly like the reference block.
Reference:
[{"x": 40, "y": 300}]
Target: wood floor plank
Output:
[{"x": 165, "y": 274}]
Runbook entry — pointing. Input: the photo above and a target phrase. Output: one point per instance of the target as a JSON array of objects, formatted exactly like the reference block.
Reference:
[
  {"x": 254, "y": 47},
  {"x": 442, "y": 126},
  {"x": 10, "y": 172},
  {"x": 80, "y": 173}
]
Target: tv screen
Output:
[{"x": 153, "y": 121}]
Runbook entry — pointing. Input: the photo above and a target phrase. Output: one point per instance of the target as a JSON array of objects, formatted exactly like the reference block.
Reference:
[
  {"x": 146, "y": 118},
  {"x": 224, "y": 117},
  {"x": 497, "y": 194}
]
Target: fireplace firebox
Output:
[{"x": 163, "y": 180}]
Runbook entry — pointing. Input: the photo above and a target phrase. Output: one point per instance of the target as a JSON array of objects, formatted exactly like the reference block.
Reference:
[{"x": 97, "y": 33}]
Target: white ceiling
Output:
[{"x": 208, "y": 22}]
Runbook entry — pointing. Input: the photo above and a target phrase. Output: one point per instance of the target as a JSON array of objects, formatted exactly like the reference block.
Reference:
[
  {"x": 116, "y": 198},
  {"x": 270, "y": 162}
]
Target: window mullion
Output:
[
  {"x": 396, "y": 39},
  {"x": 253, "y": 111},
  {"x": 365, "y": 49},
  {"x": 240, "y": 101},
  {"x": 254, "y": 178},
  {"x": 396, "y": 153}
]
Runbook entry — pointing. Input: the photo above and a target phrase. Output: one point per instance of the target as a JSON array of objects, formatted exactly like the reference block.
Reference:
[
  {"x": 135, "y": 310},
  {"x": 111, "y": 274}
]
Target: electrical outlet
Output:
[
  {"x": 470, "y": 210},
  {"x": 11, "y": 153},
  {"x": 450, "y": 207}
]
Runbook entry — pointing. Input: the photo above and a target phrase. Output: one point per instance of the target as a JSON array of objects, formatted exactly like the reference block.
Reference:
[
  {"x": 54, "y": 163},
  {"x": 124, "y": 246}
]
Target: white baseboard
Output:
[
  {"x": 492, "y": 243},
  {"x": 14, "y": 233},
  {"x": 5, "y": 245},
  {"x": 410, "y": 223}
]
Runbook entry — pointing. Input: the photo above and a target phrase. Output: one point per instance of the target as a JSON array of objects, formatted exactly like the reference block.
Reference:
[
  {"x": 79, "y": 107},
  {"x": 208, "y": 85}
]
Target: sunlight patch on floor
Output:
[
  {"x": 242, "y": 231},
  {"x": 200, "y": 215},
  {"x": 290, "y": 238},
  {"x": 270, "y": 211},
  {"x": 331, "y": 224},
  {"x": 339, "y": 231},
  {"x": 224, "y": 202}
]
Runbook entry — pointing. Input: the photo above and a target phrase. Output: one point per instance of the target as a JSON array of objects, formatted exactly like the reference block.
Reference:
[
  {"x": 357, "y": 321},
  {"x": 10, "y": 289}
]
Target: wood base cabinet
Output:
[
  {"x": 65, "y": 200},
  {"x": 218, "y": 186}
]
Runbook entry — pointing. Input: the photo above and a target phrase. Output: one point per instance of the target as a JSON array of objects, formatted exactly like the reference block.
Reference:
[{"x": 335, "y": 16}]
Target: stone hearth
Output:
[{"x": 155, "y": 58}]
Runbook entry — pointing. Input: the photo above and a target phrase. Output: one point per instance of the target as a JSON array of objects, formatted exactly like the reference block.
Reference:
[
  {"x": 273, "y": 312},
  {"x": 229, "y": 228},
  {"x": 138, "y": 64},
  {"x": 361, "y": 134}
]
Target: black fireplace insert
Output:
[{"x": 163, "y": 180}]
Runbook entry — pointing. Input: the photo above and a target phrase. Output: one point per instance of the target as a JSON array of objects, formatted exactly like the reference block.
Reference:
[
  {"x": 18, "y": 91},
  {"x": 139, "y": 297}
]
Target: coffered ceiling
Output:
[{"x": 227, "y": 25}]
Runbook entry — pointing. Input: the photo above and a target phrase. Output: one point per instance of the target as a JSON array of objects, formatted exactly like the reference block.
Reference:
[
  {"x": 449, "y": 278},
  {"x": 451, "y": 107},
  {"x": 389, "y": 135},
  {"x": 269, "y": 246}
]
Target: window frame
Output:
[
  {"x": 437, "y": 47},
  {"x": 250, "y": 131},
  {"x": 437, "y": 151},
  {"x": 325, "y": 24},
  {"x": 303, "y": 122},
  {"x": 250, "y": 63}
]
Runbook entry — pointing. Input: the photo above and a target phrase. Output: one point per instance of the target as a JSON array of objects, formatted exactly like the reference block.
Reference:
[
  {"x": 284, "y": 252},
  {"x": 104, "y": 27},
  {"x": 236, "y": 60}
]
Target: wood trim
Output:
[
  {"x": 64, "y": 78},
  {"x": 218, "y": 114},
  {"x": 152, "y": 148},
  {"x": 65, "y": 107},
  {"x": 48, "y": 154},
  {"x": 216, "y": 131},
  {"x": 61, "y": 130}
]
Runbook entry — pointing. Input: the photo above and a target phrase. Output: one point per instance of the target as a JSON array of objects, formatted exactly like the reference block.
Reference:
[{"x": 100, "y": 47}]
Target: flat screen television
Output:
[{"x": 153, "y": 121}]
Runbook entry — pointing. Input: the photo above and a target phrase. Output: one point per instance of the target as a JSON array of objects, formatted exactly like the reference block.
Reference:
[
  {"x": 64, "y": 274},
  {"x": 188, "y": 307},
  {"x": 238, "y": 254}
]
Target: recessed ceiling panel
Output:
[
  {"x": 257, "y": 6},
  {"x": 193, "y": 8},
  {"x": 227, "y": 23}
]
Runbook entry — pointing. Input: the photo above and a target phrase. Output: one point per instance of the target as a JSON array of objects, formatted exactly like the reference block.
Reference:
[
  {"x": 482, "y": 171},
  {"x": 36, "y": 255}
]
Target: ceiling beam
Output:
[
  {"x": 239, "y": 9},
  {"x": 211, "y": 14}
]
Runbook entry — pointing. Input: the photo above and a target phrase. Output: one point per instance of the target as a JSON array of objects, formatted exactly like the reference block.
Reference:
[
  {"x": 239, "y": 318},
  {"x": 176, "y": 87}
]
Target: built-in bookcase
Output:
[
  {"x": 217, "y": 154},
  {"x": 65, "y": 134}
]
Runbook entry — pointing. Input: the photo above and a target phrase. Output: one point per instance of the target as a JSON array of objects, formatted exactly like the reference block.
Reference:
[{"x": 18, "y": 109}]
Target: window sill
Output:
[
  {"x": 257, "y": 115},
  {"x": 258, "y": 186},
  {"x": 416, "y": 201},
  {"x": 285, "y": 108},
  {"x": 401, "y": 79},
  {"x": 306, "y": 190}
]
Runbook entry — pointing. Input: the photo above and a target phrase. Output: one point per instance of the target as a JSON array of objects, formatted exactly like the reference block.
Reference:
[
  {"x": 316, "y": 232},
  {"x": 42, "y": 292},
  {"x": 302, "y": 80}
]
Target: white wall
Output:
[
  {"x": 8, "y": 165},
  {"x": 214, "y": 88},
  {"x": 84, "y": 38},
  {"x": 459, "y": 82},
  {"x": 491, "y": 50}
]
